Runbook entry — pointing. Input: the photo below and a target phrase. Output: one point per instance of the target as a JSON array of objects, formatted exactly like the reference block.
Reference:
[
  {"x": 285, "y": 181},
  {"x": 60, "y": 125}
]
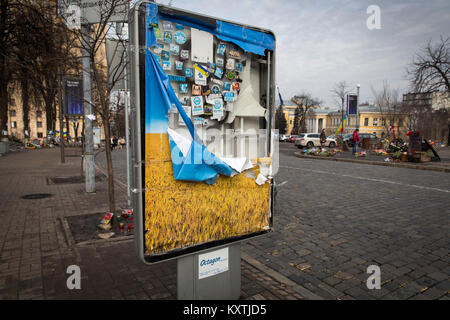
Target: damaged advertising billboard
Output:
[{"x": 204, "y": 155}]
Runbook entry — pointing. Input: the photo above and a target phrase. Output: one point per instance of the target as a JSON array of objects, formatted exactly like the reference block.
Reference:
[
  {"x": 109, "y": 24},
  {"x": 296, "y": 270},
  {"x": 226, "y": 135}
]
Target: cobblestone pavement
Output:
[
  {"x": 34, "y": 251},
  {"x": 334, "y": 219}
]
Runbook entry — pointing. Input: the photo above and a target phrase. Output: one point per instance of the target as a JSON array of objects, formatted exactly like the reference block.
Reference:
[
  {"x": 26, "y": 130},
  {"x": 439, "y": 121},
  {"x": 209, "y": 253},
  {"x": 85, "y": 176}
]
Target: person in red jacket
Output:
[{"x": 355, "y": 140}]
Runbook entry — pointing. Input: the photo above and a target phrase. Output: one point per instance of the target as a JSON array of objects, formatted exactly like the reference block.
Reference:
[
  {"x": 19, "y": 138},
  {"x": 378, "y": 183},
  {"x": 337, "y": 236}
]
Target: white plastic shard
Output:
[
  {"x": 246, "y": 104},
  {"x": 202, "y": 46}
]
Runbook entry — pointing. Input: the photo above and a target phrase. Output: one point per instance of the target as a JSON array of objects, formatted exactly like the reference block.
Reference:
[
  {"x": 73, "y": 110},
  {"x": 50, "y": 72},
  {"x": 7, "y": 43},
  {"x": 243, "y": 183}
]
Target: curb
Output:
[
  {"x": 280, "y": 278},
  {"x": 71, "y": 241},
  {"x": 376, "y": 163}
]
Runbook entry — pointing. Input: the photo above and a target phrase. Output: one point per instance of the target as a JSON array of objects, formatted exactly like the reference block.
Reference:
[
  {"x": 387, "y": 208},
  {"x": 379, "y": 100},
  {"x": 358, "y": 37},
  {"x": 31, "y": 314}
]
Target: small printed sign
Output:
[
  {"x": 158, "y": 48},
  {"x": 213, "y": 263},
  {"x": 166, "y": 65},
  {"x": 221, "y": 49},
  {"x": 187, "y": 110},
  {"x": 177, "y": 78},
  {"x": 200, "y": 79},
  {"x": 179, "y": 26},
  {"x": 167, "y": 26},
  {"x": 183, "y": 87},
  {"x": 220, "y": 62},
  {"x": 189, "y": 72},
  {"x": 230, "y": 64},
  {"x": 219, "y": 73},
  {"x": 215, "y": 89},
  {"x": 184, "y": 54},
  {"x": 218, "y": 109},
  {"x": 174, "y": 49},
  {"x": 238, "y": 67},
  {"x": 157, "y": 32},
  {"x": 196, "y": 90},
  {"x": 227, "y": 86},
  {"x": 197, "y": 105},
  {"x": 179, "y": 37},
  {"x": 165, "y": 55},
  {"x": 229, "y": 96},
  {"x": 233, "y": 52},
  {"x": 179, "y": 65},
  {"x": 167, "y": 37}
]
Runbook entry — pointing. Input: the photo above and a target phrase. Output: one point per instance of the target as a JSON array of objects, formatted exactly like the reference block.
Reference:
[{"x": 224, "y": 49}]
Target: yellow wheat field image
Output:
[{"x": 180, "y": 214}]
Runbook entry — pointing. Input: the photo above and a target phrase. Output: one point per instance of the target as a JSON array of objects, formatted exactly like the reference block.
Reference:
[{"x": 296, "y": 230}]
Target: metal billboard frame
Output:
[{"x": 136, "y": 48}]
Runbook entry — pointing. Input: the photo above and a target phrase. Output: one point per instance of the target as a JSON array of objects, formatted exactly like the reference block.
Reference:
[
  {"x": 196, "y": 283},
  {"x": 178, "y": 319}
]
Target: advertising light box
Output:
[
  {"x": 73, "y": 96},
  {"x": 202, "y": 112}
]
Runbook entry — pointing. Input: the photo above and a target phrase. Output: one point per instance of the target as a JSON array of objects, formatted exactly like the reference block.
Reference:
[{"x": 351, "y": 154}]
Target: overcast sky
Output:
[{"x": 321, "y": 42}]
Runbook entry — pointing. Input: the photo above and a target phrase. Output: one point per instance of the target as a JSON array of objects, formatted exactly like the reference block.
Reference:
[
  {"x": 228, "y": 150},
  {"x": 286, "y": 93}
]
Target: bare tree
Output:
[
  {"x": 304, "y": 102},
  {"x": 7, "y": 10},
  {"x": 388, "y": 103},
  {"x": 105, "y": 78},
  {"x": 430, "y": 70},
  {"x": 340, "y": 91}
]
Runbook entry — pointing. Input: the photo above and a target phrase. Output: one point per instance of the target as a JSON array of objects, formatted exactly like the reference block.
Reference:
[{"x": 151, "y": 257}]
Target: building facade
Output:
[
  {"x": 372, "y": 119},
  {"x": 289, "y": 114}
]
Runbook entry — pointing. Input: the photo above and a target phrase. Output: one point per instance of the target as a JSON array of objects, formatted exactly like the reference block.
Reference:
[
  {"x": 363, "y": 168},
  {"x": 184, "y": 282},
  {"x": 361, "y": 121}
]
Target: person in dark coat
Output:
[
  {"x": 355, "y": 140},
  {"x": 323, "y": 138}
]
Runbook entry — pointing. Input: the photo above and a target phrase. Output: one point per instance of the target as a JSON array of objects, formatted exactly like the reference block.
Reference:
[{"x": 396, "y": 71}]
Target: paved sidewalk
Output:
[{"x": 34, "y": 252}]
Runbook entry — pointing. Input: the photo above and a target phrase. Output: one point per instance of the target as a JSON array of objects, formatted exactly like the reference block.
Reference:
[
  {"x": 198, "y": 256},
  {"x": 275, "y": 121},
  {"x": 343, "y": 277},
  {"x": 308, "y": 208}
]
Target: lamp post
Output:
[{"x": 357, "y": 105}]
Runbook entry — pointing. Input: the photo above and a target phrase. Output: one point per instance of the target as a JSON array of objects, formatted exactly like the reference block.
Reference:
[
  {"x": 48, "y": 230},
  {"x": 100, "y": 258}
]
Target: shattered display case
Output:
[{"x": 202, "y": 104}]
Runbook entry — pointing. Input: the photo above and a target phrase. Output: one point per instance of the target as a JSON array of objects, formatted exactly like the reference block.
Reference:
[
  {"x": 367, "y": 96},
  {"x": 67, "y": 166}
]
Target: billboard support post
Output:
[
  {"x": 127, "y": 130},
  {"x": 87, "y": 102},
  {"x": 222, "y": 286}
]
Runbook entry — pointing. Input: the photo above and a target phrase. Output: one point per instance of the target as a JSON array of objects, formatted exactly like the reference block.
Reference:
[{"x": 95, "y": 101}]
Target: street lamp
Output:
[{"x": 357, "y": 105}]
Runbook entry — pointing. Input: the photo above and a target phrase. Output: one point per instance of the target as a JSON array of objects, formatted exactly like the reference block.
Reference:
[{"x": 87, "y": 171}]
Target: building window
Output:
[
  {"x": 400, "y": 122},
  {"x": 39, "y": 114},
  {"x": 290, "y": 121},
  {"x": 39, "y": 134},
  {"x": 375, "y": 122},
  {"x": 366, "y": 122},
  {"x": 12, "y": 101},
  {"x": 14, "y": 124},
  {"x": 383, "y": 122},
  {"x": 12, "y": 113},
  {"x": 39, "y": 124}
]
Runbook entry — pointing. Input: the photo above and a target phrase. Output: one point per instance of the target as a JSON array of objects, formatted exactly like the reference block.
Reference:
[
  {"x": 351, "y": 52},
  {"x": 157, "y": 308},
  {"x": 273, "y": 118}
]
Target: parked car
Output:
[
  {"x": 283, "y": 138},
  {"x": 292, "y": 138},
  {"x": 310, "y": 140},
  {"x": 362, "y": 135}
]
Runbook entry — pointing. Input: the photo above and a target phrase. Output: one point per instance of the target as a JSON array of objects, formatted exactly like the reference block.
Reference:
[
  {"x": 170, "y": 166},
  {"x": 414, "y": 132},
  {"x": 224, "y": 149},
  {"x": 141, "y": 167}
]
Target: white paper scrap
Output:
[
  {"x": 260, "y": 180},
  {"x": 238, "y": 164}
]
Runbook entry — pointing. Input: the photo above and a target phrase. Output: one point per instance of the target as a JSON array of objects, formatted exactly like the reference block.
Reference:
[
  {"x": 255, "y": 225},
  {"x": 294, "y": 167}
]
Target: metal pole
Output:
[
  {"x": 61, "y": 127},
  {"x": 269, "y": 110},
  {"x": 357, "y": 106},
  {"x": 87, "y": 103},
  {"x": 127, "y": 131}
]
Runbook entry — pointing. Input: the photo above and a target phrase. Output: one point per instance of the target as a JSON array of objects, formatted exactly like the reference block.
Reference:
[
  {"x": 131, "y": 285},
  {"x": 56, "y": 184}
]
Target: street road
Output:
[{"x": 335, "y": 219}]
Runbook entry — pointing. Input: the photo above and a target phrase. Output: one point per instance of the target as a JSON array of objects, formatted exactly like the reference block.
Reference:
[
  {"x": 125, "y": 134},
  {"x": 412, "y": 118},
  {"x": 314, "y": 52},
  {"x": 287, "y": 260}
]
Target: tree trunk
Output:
[
  {"x": 112, "y": 202},
  {"x": 49, "y": 113},
  {"x": 24, "y": 87},
  {"x": 3, "y": 106}
]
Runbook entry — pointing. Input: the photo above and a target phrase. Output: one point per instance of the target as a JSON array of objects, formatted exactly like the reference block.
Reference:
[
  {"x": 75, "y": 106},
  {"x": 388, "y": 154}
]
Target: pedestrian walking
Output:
[
  {"x": 355, "y": 140},
  {"x": 323, "y": 139}
]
